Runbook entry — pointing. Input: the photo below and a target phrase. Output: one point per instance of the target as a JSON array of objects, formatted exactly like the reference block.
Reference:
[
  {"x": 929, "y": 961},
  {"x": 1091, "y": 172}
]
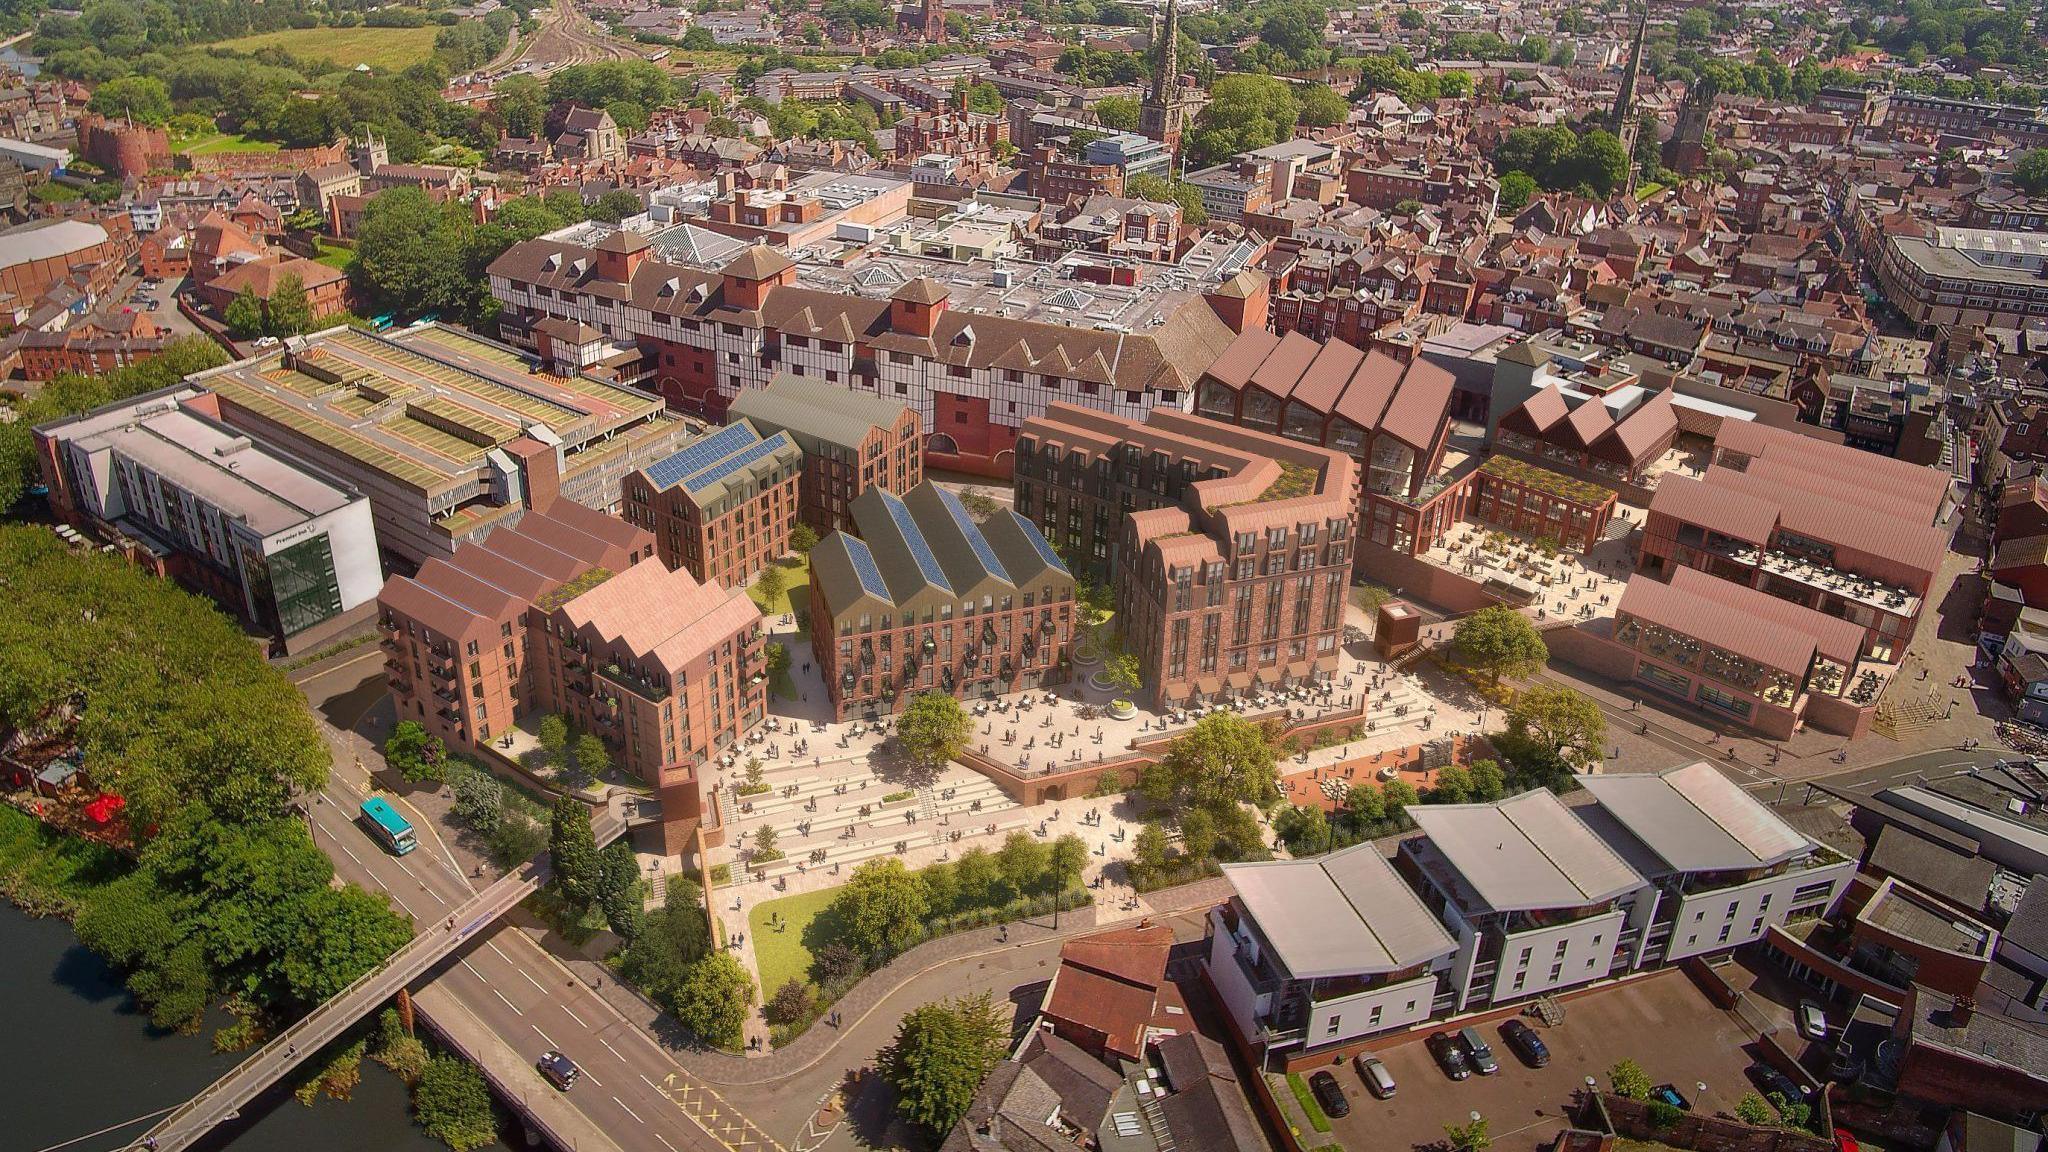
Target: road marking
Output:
[
  {"x": 572, "y": 1014},
  {"x": 629, "y": 1111},
  {"x": 493, "y": 946},
  {"x": 612, "y": 1050},
  {"x": 532, "y": 981},
  {"x": 645, "y": 1080},
  {"x": 473, "y": 971},
  {"x": 351, "y": 855},
  {"x": 665, "y": 1143},
  {"x": 508, "y": 1003},
  {"x": 545, "y": 1036}
]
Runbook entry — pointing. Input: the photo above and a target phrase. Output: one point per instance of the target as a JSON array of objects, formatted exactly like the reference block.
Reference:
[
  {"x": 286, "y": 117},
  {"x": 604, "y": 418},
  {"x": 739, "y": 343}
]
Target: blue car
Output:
[{"x": 1669, "y": 1094}]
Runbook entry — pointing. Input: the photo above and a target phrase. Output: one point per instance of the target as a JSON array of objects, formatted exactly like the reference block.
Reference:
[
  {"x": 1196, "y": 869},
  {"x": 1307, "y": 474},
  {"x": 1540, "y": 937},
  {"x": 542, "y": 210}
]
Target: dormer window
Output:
[
  {"x": 966, "y": 336},
  {"x": 553, "y": 262}
]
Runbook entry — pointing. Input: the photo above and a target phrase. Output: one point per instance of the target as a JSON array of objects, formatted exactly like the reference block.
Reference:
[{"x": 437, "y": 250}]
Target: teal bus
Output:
[{"x": 388, "y": 826}]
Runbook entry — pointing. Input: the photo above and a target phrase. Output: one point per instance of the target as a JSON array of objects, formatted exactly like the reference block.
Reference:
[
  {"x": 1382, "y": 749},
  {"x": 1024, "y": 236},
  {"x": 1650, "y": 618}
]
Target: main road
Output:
[{"x": 631, "y": 1092}]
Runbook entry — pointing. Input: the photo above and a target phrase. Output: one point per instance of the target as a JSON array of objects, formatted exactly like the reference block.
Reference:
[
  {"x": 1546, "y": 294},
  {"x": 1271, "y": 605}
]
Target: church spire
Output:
[
  {"x": 1624, "y": 100},
  {"x": 1166, "y": 65}
]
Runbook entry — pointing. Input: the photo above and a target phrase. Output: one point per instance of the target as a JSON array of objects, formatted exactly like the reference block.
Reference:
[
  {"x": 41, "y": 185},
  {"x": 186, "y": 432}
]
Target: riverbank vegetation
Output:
[{"x": 160, "y": 700}]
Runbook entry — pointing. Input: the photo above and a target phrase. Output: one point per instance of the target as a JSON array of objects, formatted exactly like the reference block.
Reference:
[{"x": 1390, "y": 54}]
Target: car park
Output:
[
  {"x": 1813, "y": 1021},
  {"x": 1378, "y": 1080},
  {"x": 1478, "y": 1052},
  {"x": 1525, "y": 1043},
  {"x": 1329, "y": 1094},
  {"x": 1669, "y": 1094},
  {"x": 1449, "y": 1056},
  {"x": 561, "y": 1071}
]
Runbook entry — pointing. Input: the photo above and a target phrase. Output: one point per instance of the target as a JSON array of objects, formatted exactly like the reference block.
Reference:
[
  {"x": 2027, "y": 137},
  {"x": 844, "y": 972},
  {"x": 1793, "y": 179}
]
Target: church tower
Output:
[
  {"x": 1163, "y": 116},
  {"x": 1622, "y": 118},
  {"x": 933, "y": 14}
]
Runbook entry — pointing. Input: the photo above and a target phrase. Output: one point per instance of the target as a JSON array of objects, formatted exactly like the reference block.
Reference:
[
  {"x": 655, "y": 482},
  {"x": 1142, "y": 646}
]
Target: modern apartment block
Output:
[
  {"x": 974, "y": 349},
  {"x": 1846, "y": 533},
  {"x": 666, "y": 670},
  {"x": 925, "y": 599},
  {"x": 279, "y": 543},
  {"x": 456, "y": 636},
  {"x": 722, "y": 508},
  {"x": 1229, "y": 549},
  {"x": 1964, "y": 276},
  {"x": 448, "y": 434},
  {"x": 1495, "y": 904},
  {"x": 1317, "y": 952},
  {"x": 851, "y": 443}
]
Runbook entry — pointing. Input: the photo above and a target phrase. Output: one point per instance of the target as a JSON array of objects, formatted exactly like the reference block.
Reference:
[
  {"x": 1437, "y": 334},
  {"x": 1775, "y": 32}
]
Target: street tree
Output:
[
  {"x": 1069, "y": 862},
  {"x": 288, "y": 312},
  {"x": 713, "y": 999},
  {"x": 1500, "y": 642},
  {"x": 1024, "y": 862},
  {"x": 1470, "y": 1137},
  {"x": 592, "y": 758},
  {"x": 553, "y": 734},
  {"x": 618, "y": 890},
  {"x": 244, "y": 315},
  {"x": 941, "y": 1054},
  {"x": 933, "y": 730},
  {"x": 1629, "y": 1080},
  {"x": 572, "y": 848},
  {"x": 417, "y": 755},
  {"x": 1561, "y": 720},
  {"x": 977, "y": 875}
]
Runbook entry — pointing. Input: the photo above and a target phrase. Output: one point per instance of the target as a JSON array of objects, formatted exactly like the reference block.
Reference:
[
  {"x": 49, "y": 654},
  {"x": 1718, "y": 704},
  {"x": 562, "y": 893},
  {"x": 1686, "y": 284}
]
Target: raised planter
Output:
[{"x": 1122, "y": 709}]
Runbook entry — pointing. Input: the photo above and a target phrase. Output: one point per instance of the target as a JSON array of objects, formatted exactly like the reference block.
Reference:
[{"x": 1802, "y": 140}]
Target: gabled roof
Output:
[
  {"x": 1343, "y": 914},
  {"x": 1695, "y": 819},
  {"x": 1525, "y": 853}
]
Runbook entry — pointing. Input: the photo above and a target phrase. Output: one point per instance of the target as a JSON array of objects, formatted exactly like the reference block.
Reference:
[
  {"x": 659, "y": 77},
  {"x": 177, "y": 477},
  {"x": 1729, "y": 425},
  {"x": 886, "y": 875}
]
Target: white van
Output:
[{"x": 1377, "y": 1079}]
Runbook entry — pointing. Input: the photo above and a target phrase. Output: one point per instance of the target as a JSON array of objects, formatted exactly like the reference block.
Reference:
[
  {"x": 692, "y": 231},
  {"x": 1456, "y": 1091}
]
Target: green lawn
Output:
[
  {"x": 796, "y": 571},
  {"x": 221, "y": 142},
  {"x": 782, "y": 954},
  {"x": 383, "y": 49},
  {"x": 331, "y": 254},
  {"x": 1307, "y": 1100}
]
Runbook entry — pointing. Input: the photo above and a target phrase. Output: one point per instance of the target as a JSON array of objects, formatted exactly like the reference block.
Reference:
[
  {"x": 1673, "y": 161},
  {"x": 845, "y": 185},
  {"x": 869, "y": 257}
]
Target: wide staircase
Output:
[{"x": 842, "y": 823}]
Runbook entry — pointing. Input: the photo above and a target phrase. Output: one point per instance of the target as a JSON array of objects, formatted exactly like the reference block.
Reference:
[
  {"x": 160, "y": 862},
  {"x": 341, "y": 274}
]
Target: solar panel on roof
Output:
[
  {"x": 864, "y": 568},
  {"x": 913, "y": 537},
  {"x": 972, "y": 531},
  {"x": 664, "y": 474},
  {"x": 732, "y": 464},
  {"x": 1038, "y": 541}
]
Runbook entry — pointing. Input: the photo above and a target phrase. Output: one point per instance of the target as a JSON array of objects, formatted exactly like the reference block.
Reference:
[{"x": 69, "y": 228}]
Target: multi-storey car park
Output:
[{"x": 448, "y": 434}]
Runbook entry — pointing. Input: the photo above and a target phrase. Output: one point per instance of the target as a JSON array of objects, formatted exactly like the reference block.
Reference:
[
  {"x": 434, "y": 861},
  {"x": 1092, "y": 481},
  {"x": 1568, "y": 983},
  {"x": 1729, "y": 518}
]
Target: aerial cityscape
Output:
[{"x": 1021, "y": 575}]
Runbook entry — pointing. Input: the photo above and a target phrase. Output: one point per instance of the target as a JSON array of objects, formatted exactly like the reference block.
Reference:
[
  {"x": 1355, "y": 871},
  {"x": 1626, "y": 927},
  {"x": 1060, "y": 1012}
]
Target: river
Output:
[{"x": 82, "y": 1059}]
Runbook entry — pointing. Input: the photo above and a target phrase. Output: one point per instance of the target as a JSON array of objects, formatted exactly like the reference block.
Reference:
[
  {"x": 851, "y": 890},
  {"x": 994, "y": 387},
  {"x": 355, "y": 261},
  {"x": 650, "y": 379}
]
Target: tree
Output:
[
  {"x": 1791, "y": 1113},
  {"x": 1396, "y": 795},
  {"x": 418, "y": 756},
  {"x": 1321, "y": 107},
  {"x": 1304, "y": 829},
  {"x": 764, "y": 844},
  {"x": 1565, "y": 722},
  {"x": 244, "y": 315},
  {"x": 592, "y": 758},
  {"x": 409, "y": 252},
  {"x": 523, "y": 104},
  {"x": 2031, "y": 173},
  {"x": 672, "y": 938},
  {"x": 1162, "y": 190},
  {"x": 1453, "y": 785},
  {"x": 1695, "y": 26},
  {"x": 1120, "y": 113},
  {"x": 553, "y": 734},
  {"x": 1223, "y": 760},
  {"x": 836, "y": 966},
  {"x": 1149, "y": 849},
  {"x": 980, "y": 505},
  {"x": 618, "y": 889},
  {"x": 1024, "y": 862},
  {"x": 979, "y": 97},
  {"x": 789, "y": 1003},
  {"x": 776, "y": 657},
  {"x": 1516, "y": 190},
  {"x": 339, "y": 934},
  {"x": 1752, "y": 1110},
  {"x": 1123, "y": 671},
  {"x": 1488, "y": 781},
  {"x": 143, "y": 99},
  {"x": 1600, "y": 162},
  {"x": 573, "y": 849},
  {"x": 1197, "y": 833},
  {"x": 1629, "y": 1080},
  {"x": 941, "y": 1054},
  {"x": 713, "y": 998},
  {"x": 288, "y": 312},
  {"x": 933, "y": 730},
  {"x": 977, "y": 875},
  {"x": 1411, "y": 19},
  {"x": 1364, "y": 806},
  {"x": 616, "y": 205},
  {"x": 1245, "y": 112},
  {"x": 1069, "y": 861},
  {"x": 772, "y": 584},
  {"x": 802, "y": 539},
  {"x": 883, "y": 907},
  {"x": 699, "y": 39},
  {"x": 941, "y": 887},
  {"x": 453, "y": 1104},
  {"x": 1470, "y": 1137},
  {"x": 1499, "y": 641}
]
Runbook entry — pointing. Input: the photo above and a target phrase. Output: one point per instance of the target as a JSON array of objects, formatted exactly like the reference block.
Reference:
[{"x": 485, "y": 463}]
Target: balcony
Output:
[{"x": 639, "y": 686}]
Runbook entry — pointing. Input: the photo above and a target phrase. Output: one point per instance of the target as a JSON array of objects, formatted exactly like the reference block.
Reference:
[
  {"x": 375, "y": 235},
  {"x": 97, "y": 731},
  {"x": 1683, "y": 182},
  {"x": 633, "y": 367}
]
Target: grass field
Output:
[
  {"x": 782, "y": 954},
  {"x": 333, "y": 255},
  {"x": 796, "y": 571},
  {"x": 220, "y": 142},
  {"x": 383, "y": 49}
]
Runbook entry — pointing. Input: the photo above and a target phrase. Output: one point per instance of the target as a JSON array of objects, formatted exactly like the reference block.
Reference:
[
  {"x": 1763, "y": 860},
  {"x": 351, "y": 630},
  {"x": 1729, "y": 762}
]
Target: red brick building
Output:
[
  {"x": 850, "y": 442},
  {"x": 124, "y": 150},
  {"x": 96, "y": 344},
  {"x": 722, "y": 507}
]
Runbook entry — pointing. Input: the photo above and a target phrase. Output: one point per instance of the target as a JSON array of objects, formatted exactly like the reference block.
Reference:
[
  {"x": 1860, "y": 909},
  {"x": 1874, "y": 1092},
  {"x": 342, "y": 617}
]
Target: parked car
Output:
[
  {"x": 559, "y": 1069},
  {"x": 1477, "y": 1052},
  {"x": 1768, "y": 1080},
  {"x": 1329, "y": 1094},
  {"x": 1449, "y": 1056},
  {"x": 1669, "y": 1094},
  {"x": 1526, "y": 1043},
  {"x": 1813, "y": 1021},
  {"x": 1378, "y": 1080}
]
